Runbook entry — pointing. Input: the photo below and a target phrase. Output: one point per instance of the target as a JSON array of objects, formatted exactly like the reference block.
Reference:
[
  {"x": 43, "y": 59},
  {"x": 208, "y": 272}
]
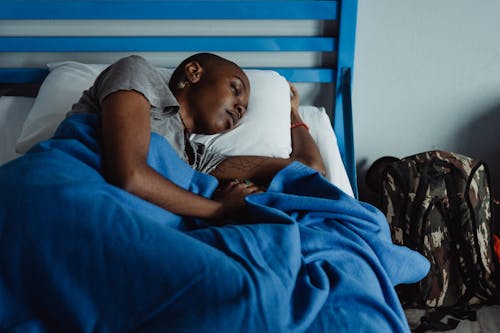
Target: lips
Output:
[{"x": 233, "y": 118}]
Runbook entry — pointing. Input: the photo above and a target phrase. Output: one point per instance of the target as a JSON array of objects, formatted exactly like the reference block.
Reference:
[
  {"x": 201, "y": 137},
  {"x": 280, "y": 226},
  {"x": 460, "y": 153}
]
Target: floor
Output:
[{"x": 487, "y": 321}]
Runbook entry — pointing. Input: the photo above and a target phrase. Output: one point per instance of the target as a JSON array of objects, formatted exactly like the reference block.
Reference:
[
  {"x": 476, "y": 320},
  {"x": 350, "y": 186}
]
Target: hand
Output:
[
  {"x": 294, "y": 98},
  {"x": 232, "y": 196}
]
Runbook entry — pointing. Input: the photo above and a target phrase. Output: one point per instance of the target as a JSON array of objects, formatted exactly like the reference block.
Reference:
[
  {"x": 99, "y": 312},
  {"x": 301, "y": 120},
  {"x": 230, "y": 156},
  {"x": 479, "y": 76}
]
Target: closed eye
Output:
[{"x": 235, "y": 89}]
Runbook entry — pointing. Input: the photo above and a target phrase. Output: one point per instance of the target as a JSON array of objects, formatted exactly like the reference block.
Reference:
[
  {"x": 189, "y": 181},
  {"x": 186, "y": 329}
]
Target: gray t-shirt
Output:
[{"x": 135, "y": 73}]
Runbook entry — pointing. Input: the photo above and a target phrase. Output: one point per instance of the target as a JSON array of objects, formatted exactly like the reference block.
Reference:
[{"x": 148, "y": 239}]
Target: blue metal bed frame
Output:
[{"x": 344, "y": 12}]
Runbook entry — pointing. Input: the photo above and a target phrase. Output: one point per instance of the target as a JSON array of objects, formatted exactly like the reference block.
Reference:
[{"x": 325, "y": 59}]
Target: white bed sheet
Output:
[{"x": 13, "y": 112}]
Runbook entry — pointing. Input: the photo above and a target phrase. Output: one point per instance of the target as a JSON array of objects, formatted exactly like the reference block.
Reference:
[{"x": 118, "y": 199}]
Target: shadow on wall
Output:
[
  {"x": 365, "y": 194},
  {"x": 480, "y": 139}
]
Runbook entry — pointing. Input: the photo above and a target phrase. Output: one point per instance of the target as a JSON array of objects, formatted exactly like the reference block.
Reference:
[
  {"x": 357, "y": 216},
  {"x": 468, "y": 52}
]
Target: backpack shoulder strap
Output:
[{"x": 459, "y": 234}]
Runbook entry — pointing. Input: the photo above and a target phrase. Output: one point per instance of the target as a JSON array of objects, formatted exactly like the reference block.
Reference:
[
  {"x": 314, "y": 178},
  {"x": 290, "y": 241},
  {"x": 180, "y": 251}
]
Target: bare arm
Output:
[
  {"x": 126, "y": 135},
  {"x": 261, "y": 169}
]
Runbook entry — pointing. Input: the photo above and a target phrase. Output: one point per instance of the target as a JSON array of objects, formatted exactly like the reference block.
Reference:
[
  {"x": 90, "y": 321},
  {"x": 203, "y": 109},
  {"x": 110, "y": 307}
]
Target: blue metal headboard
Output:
[{"x": 343, "y": 12}]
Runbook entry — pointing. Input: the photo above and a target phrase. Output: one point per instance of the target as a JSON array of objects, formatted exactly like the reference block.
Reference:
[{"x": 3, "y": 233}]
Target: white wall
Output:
[{"x": 427, "y": 76}]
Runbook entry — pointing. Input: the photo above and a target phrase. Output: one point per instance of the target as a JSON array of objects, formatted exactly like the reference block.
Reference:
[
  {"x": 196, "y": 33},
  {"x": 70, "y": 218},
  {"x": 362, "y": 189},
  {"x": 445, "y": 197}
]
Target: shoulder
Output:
[
  {"x": 131, "y": 64},
  {"x": 134, "y": 73},
  {"x": 133, "y": 60}
]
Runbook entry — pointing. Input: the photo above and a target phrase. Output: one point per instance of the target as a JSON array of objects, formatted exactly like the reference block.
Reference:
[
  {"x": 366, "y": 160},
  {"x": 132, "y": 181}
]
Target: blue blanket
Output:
[{"x": 80, "y": 255}]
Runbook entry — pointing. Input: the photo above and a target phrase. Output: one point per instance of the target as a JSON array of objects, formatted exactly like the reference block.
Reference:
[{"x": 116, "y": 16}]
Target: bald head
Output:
[
  {"x": 212, "y": 93},
  {"x": 208, "y": 61}
]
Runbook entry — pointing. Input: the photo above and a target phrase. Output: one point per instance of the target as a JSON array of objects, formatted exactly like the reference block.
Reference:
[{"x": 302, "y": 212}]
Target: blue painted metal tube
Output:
[
  {"x": 307, "y": 75},
  {"x": 343, "y": 120},
  {"x": 35, "y": 75},
  {"x": 149, "y": 9},
  {"x": 23, "y": 75},
  {"x": 115, "y": 44},
  {"x": 313, "y": 75}
]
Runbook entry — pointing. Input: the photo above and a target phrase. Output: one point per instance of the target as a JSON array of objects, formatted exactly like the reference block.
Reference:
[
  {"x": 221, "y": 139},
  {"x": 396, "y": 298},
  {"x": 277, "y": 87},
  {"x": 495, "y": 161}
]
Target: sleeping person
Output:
[
  {"x": 207, "y": 94},
  {"x": 78, "y": 254}
]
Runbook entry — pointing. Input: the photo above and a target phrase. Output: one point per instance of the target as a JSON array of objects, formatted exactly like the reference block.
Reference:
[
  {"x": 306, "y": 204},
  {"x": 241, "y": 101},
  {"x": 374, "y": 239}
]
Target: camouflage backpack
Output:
[{"x": 439, "y": 204}]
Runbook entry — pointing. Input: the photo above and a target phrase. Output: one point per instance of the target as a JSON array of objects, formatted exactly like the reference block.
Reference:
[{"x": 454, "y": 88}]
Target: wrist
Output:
[
  {"x": 216, "y": 210},
  {"x": 295, "y": 117},
  {"x": 299, "y": 124}
]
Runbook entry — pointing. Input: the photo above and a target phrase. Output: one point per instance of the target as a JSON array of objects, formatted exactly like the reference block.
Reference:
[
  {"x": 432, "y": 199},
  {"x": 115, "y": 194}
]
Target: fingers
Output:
[
  {"x": 294, "y": 93},
  {"x": 294, "y": 98},
  {"x": 240, "y": 181},
  {"x": 245, "y": 185}
]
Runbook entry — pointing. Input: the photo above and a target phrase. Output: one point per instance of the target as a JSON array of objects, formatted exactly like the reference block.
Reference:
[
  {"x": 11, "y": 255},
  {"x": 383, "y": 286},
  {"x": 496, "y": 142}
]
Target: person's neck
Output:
[
  {"x": 184, "y": 112},
  {"x": 186, "y": 120}
]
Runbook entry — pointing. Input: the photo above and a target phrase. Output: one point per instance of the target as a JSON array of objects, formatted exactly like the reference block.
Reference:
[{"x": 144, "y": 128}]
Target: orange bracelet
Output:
[{"x": 294, "y": 125}]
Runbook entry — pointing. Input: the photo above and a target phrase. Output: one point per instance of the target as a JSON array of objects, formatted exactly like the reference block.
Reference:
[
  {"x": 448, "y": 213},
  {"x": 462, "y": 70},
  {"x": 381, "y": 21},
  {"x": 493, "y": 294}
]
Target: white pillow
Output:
[
  {"x": 265, "y": 128},
  {"x": 322, "y": 132},
  {"x": 60, "y": 89},
  {"x": 269, "y": 107}
]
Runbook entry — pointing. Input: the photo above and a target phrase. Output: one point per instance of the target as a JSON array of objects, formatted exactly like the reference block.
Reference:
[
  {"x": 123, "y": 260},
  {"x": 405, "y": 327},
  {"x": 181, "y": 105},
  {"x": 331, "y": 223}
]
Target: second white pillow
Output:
[{"x": 265, "y": 128}]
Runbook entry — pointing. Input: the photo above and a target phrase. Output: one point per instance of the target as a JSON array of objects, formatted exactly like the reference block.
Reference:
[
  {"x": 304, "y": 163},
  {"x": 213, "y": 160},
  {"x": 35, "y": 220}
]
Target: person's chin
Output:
[
  {"x": 216, "y": 130},
  {"x": 228, "y": 125}
]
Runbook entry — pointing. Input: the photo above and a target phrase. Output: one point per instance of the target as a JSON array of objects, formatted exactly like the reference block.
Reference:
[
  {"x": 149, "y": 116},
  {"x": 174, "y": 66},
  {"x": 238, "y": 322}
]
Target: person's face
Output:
[{"x": 219, "y": 98}]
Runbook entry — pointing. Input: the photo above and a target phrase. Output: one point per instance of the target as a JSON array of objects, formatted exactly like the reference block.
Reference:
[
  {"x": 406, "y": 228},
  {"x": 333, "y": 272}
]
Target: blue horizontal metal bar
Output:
[
  {"x": 34, "y": 75},
  {"x": 161, "y": 9},
  {"x": 23, "y": 75},
  {"x": 308, "y": 75},
  {"x": 114, "y": 44}
]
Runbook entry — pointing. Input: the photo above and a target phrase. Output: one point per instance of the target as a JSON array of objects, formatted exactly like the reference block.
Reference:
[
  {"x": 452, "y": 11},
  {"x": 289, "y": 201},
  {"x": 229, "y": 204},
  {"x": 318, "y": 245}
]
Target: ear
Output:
[{"x": 193, "y": 71}]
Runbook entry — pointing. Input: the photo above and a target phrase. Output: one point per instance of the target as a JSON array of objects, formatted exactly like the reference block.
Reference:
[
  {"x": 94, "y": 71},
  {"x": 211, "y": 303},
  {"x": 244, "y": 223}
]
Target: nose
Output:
[{"x": 240, "y": 110}]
